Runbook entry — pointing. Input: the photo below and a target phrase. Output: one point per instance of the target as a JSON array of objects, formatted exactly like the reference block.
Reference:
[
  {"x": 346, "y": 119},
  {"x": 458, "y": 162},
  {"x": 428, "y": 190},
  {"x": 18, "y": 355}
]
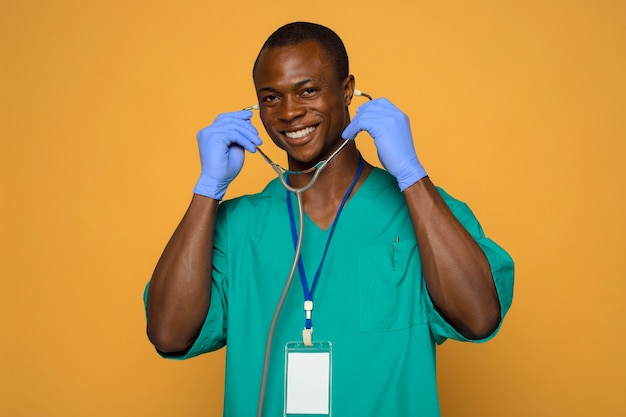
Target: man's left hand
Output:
[{"x": 391, "y": 131}]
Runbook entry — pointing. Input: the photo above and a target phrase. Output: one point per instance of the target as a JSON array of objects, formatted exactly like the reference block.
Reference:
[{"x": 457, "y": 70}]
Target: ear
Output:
[{"x": 348, "y": 90}]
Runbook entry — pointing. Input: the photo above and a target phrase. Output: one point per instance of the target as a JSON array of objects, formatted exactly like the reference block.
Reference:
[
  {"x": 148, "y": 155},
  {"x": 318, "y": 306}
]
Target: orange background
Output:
[{"x": 517, "y": 108}]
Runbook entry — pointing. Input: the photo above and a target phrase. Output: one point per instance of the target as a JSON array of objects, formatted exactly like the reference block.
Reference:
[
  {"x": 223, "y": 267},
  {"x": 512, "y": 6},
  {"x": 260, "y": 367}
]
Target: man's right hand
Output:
[{"x": 222, "y": 146}]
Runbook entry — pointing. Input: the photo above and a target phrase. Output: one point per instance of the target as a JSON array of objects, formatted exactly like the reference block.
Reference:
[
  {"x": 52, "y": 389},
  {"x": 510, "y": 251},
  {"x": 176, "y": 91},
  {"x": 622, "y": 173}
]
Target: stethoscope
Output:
[{"x": 318, "y": 168}]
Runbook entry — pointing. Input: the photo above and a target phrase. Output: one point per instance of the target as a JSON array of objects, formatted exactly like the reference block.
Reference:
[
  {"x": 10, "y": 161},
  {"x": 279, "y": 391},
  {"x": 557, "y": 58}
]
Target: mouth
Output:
[{"x": 299, "y": 134}]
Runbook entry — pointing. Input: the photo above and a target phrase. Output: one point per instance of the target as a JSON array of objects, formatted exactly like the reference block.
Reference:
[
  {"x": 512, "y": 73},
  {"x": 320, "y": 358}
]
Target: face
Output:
[{"x": 303, "y": 104}]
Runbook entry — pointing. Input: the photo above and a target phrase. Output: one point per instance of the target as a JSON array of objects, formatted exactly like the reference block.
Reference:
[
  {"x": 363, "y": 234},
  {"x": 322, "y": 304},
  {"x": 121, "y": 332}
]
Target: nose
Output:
[{"x": 290, "y": 109}]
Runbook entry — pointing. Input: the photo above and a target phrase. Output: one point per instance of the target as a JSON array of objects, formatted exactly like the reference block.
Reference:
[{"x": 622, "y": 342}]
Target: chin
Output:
[
  {"x": 307, "y": 154},
  {"x": 303, "y": 161}
]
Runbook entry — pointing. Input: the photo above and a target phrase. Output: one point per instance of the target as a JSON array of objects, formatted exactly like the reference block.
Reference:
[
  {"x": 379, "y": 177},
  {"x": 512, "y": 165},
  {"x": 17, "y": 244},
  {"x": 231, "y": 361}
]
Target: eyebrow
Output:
[{"x": 296, "y": 85}]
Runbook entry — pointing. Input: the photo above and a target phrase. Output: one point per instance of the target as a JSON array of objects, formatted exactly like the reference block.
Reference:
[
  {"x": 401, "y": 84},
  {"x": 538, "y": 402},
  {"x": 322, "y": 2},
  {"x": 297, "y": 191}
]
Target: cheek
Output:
[
  {"x": 265, "y": 118},
  {"x": 339, "y": 115}
]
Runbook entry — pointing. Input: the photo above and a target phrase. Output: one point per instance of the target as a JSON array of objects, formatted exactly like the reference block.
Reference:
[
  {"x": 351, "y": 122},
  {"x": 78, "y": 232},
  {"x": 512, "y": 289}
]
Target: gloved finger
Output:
[
  {"x": 240, "y": 114},
  {"x": 376, "y": 105},
  {"x": 239, "y": 119},
  {"x": 240, "y": 132},
  {"x": 364, "y": 121},
  {"x": 240, "y": 135},
  {"x": 369, "y": 115},
  {"x": 379, "y": 108},
  {"x": 351, "y": 130},
  {"x": 248, "y": 141}
]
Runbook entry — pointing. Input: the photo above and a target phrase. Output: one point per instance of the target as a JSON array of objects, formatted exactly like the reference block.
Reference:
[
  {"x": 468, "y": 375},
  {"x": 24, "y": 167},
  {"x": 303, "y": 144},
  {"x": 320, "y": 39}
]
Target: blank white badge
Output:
[{"x": 307, "y": 382}]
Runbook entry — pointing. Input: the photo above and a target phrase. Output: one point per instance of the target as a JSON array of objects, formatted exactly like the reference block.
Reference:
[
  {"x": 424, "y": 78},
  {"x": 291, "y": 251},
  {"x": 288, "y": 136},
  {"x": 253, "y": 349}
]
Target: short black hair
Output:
[{"x": 298, "y": 32}]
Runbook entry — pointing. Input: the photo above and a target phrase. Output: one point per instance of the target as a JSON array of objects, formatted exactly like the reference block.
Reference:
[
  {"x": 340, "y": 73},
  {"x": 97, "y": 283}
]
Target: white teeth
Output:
[{"x": 299, "y": 133}]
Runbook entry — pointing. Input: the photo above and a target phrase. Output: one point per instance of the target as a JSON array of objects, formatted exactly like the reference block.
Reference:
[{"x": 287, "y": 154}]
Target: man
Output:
[{"x": 393, "y": 264}]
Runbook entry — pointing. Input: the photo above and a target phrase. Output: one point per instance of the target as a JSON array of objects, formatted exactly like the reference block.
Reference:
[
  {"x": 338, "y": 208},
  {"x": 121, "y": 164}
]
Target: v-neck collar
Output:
[{"x": 358, "y": 190}]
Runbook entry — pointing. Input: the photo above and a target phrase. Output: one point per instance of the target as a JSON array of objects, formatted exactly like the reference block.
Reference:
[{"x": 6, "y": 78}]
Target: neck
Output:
[
  {"x": 322, "y": 200},
  {"x": 336, "y": 175}
]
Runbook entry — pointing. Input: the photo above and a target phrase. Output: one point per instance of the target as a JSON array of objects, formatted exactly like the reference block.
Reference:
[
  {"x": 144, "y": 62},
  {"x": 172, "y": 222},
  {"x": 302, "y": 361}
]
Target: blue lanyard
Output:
[{"x": 308, "y": 292}]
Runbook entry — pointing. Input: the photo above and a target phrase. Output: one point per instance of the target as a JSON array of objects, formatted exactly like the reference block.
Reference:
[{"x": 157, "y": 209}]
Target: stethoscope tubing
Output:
[{"x": 281, "y": 301}]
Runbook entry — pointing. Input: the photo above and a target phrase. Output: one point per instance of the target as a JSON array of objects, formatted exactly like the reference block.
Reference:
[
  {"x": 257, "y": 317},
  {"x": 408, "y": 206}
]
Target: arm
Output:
[
  {"x": 456, "y": 271},
  {"x": 180, "y": 289}
]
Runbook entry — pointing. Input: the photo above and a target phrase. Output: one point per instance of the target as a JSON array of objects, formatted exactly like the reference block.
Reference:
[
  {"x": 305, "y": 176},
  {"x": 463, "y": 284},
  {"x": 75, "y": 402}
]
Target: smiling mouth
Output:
[{"x": 300, "y": 133}]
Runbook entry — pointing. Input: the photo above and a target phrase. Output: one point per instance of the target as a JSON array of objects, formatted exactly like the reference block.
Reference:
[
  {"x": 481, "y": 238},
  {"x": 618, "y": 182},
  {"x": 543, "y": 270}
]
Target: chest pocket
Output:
[{"x": 390, "y": 287}]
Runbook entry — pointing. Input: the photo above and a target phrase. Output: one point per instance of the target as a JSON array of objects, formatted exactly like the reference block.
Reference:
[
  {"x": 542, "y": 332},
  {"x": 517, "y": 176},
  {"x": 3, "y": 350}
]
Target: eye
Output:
[
  {"x": 269, "y": 98},
  {"x": 309, "y": 91}
]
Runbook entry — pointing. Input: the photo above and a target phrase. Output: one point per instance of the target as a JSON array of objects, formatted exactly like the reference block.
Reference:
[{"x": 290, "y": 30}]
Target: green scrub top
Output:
[{"x": 370, "y": 303}]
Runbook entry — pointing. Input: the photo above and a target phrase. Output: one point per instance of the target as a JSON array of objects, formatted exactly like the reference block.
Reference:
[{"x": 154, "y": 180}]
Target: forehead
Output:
[{"x": 292, "y": 64}]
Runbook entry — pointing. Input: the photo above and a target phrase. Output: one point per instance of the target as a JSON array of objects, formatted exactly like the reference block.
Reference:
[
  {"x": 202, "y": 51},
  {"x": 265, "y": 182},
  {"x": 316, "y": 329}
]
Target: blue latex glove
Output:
[
  {"x": 391, "y": 131},
  {"x": 221, "y": 148}
]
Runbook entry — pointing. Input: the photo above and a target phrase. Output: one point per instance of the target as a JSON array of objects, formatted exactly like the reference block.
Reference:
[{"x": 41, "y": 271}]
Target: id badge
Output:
[{"x": 308, "y": 380}]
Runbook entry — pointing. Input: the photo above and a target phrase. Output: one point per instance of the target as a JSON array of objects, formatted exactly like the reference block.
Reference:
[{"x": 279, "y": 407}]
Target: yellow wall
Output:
[{"x": 517, "y": 108}]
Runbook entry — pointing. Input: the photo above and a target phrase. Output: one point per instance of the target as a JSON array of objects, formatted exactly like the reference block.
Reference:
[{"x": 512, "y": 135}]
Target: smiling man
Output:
[{"x": 392, "y": 264}]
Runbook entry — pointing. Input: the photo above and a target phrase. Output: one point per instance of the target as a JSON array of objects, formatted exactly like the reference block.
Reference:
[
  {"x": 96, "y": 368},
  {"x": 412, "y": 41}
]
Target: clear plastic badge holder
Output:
[{"x": 308, "y": 379}]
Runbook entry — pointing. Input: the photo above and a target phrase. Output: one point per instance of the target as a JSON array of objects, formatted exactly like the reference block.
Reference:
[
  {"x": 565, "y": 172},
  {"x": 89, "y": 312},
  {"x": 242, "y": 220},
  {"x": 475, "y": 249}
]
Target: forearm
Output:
[
  {"x": 180, "y": 288},
  {"x": 456, "y": 270}
]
